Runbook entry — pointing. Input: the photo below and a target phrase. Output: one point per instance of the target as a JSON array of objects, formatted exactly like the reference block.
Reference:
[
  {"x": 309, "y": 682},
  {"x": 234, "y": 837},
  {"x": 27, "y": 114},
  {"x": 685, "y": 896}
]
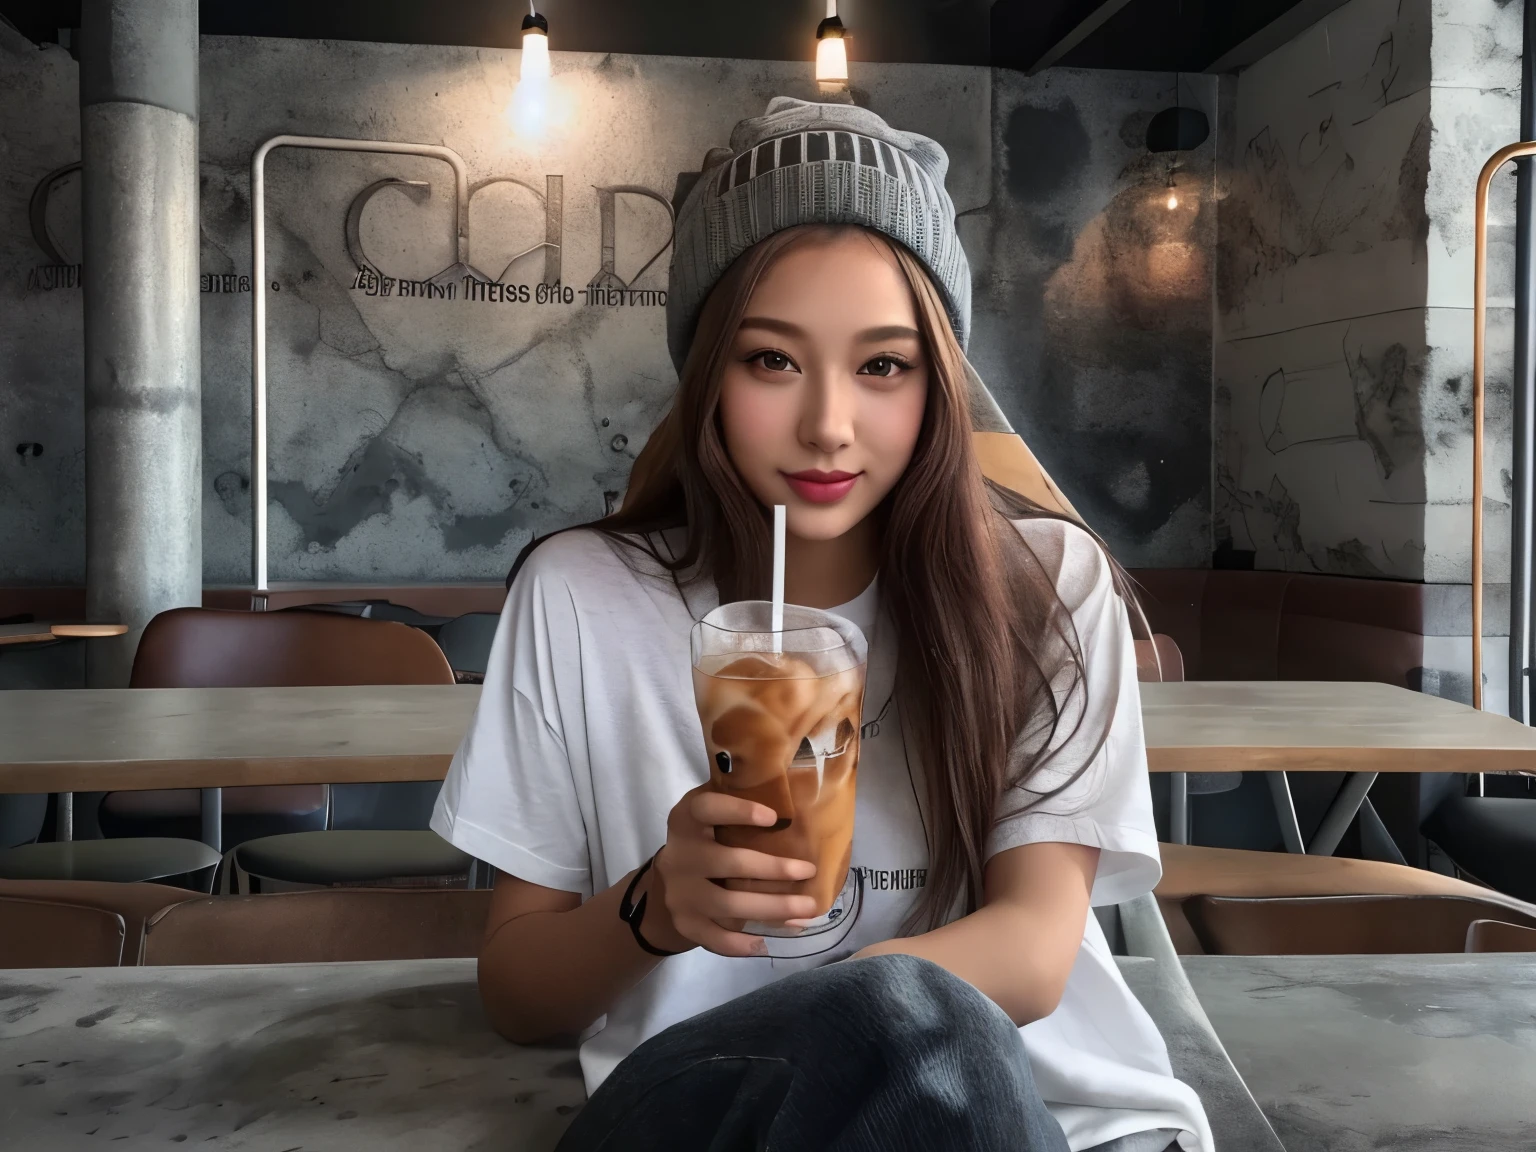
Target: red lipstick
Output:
[{"x": 817, "y": 487}]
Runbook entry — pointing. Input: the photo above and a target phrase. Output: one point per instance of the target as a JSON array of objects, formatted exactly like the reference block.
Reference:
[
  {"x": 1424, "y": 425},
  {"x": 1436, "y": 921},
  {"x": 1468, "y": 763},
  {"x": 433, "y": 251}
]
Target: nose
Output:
[{"x": 827, "y": 412}]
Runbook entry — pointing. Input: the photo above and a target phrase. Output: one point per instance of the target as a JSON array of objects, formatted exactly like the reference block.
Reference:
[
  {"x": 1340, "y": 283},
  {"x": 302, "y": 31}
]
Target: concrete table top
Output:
[
  {"x": 1431, "y": 1053},
  {"x": 380, "y": 1056}
]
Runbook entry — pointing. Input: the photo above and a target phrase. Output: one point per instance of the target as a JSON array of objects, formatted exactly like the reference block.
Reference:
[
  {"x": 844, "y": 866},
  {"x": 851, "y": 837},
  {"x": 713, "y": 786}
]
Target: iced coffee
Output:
[{"x": 780, "y": 714}]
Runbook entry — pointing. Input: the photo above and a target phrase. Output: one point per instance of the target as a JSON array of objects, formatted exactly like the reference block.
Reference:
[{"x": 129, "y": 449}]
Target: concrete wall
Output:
[
  {"x": 1321, "y": 350},
  {"x": 419, "y": 437},
  {"x": 42, "y": 336},
  {"x": 1093, "y": 305},
  {"x": 1342, "y": 429},
  {"x": 1475, "y": 109}
]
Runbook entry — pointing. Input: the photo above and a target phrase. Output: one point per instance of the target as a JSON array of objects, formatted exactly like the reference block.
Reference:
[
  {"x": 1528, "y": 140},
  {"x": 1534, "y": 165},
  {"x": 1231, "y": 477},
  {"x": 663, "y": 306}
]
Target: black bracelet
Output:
[{"x": 632, "y": 913}]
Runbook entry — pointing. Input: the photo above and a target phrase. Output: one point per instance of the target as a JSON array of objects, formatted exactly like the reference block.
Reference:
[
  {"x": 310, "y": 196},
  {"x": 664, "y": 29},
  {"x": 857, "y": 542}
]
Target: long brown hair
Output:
[{"x": 988, "y": 655}]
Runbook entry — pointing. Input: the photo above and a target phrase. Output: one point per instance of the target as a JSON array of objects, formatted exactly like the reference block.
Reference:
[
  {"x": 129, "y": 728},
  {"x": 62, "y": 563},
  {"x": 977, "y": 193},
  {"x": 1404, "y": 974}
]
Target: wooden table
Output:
[
  {"x": 1280, "y": 726},
  {"x": 103, "y": 739},
  {"x": 41, "y": 633}
]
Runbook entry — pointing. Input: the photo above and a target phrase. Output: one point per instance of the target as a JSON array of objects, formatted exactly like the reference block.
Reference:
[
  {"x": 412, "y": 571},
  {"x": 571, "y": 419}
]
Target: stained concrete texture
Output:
[
  {"x": 42, "y": 342},
  {"x": 1093, "y": 313},
  {"x": 1343, "y": 357},
  {"x": 1358, "y": 1053},
  {"x": 418, "y": 436}
]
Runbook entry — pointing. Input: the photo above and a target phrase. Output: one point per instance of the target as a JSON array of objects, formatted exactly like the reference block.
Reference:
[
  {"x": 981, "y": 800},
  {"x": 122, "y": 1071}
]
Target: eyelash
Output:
[{"x": 898, "y": 361}]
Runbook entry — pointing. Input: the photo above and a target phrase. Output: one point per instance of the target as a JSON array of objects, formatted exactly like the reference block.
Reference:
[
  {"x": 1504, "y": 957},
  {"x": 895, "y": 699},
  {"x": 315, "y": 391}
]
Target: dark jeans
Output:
[{"x": 886, "y": 1053}]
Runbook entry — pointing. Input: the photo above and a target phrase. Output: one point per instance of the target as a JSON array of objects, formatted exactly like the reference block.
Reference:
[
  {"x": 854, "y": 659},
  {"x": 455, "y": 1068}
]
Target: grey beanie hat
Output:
[{"x": 805, "y": 163}]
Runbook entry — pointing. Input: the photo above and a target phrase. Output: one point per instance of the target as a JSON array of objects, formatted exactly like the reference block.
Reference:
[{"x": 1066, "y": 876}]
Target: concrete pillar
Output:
[{"x": 143, "y": 383}]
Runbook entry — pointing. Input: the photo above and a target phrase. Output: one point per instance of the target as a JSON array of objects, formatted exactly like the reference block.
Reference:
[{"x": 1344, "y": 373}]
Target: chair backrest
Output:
[
  {"x": 1334, "y": 925},
  {"x": 319, "y": 927},
  {"x": 1159, "y": 661},
  {"x": 218, "y": 648},
  {"x": 466, "y": 642},
  {"x": 1498, "y": 936},
  {"x": 42, "y": 934},
  {"x": 135, "y": 903}
]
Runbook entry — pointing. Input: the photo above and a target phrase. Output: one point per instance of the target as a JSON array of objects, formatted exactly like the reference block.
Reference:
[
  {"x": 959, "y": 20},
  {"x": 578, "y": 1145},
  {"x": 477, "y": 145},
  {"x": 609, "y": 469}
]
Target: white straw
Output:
[{"x": 778, "y": 577}]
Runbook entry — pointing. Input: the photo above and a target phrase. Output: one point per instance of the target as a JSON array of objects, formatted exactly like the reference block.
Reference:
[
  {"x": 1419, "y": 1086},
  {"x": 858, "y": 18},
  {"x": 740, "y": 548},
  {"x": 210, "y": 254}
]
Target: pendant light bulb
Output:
[
  {"x": 535, "y": 63},
  {"x": 831, "y": 51},
  {"x": 1173, "y": 201},
  {"x": 528, "y": 113}
]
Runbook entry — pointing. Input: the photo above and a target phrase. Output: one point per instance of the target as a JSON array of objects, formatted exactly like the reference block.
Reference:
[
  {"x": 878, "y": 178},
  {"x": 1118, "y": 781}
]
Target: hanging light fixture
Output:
[
  {"x": 831, "y": 52},
  {"x": 1173, "y": 194},
  {"x": 535, "y": 65},
  {"x": 528, "y": 113},
  {"x": 1177, "y": 129}
]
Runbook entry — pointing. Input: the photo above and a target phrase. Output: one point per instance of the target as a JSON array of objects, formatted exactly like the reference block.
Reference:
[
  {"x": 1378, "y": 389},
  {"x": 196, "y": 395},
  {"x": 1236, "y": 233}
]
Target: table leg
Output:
[
  {"x": 1178, "y": 807},
  {"x": 212, "y": 813},
  {"x": 64, "y": 817},
  {"x": 1375, "y": 838},
  {"x": 1285, "y": 812},
  {"x": 1341, "y": 812}
]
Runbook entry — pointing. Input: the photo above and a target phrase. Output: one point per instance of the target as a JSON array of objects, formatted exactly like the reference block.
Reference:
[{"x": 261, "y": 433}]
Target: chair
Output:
[
  {"x": 318, "y": 927},
  {"x": 183, "y": 863},
  {"x": 1491, "y": 838},
  {"x": 466, "y": 642},
  {"x": 1497, "y": 936},
  {"x": 1338, "y": 925},
  {"x": 135, "y": 903},
  {"x": 42, "y": 934},
  {"x": 1191, "y": 872},
  {"x": 388, "y": 840}
]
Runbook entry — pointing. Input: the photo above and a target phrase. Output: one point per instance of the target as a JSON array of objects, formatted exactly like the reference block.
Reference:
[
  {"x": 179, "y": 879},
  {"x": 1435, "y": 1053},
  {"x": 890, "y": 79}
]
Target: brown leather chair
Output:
[
  {"x": 1498, "y": 936},
  {"x": 134, "y": 903},
  {"x": 43, "y": 934},
  {"x": 1159, "y": 661},
  {"x": 1191, "y": 872},
  {"x": 1337, "y": 925},
  {"x": 318, "y": 927},
  {"x": 386, "y": 835}
]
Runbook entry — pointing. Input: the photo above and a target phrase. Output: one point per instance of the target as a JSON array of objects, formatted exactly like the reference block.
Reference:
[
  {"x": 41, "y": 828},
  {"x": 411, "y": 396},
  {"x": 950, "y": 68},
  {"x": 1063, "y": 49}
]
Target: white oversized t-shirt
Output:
[{"x": 586, "y": 735}]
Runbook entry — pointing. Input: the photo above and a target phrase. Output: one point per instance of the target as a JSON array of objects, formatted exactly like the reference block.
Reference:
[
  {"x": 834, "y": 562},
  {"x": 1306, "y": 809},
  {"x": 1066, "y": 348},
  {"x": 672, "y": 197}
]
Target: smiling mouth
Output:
[{"x": 817, "y": 487}]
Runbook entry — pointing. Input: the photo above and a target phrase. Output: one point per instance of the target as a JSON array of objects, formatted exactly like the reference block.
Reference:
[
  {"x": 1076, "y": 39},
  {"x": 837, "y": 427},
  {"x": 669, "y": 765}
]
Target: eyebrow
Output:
[{"x": 868, "y": 336}]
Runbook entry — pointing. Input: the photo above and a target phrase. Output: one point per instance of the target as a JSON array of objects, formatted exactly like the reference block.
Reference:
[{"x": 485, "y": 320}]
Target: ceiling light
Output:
[
  {"x": 831, "y": 51},
  {"x": 535, "y": 64},
  {"x": 528, "y": 113}
]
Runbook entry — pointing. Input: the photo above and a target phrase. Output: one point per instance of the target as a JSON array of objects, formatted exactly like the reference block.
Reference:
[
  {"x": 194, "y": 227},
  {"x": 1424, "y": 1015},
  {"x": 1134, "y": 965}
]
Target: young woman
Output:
[{"x": 818, "y": 307}]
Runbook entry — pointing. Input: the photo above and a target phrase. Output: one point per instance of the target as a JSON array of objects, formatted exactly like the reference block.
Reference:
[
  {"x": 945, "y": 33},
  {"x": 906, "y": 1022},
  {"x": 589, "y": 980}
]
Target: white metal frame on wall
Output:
[{"x": 259, "y": 299}]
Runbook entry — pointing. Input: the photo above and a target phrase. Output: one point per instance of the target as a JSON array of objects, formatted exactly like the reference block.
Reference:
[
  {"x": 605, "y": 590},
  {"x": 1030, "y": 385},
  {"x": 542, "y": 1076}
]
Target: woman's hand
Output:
[{"x": 687, "y": 906}]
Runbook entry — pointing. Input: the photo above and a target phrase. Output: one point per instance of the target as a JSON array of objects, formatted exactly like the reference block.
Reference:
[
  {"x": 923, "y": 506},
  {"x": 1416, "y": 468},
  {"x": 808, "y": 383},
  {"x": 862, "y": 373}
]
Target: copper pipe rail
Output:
[{"x": 1479, "y": 373}]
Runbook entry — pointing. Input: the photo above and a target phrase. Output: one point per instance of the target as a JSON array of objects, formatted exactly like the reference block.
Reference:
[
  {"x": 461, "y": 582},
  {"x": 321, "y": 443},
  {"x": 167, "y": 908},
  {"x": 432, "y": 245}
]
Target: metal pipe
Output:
[
  {"x": 1523, "y": 433},
  {"x": 1178, "y": 807},
  {"x": 259, "y": 297},
  {"x": 1479, "y": 383}
]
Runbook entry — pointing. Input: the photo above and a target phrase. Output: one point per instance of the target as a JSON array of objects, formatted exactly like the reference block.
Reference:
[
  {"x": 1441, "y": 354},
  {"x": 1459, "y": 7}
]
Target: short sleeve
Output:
[
  {"x": 510, "y": 797},
  {"x": 1099, "y": 733}
]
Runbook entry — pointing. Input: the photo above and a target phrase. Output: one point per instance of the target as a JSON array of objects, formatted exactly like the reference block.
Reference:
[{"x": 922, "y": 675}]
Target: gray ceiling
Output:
[{"x": 1189, "y": 35}]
